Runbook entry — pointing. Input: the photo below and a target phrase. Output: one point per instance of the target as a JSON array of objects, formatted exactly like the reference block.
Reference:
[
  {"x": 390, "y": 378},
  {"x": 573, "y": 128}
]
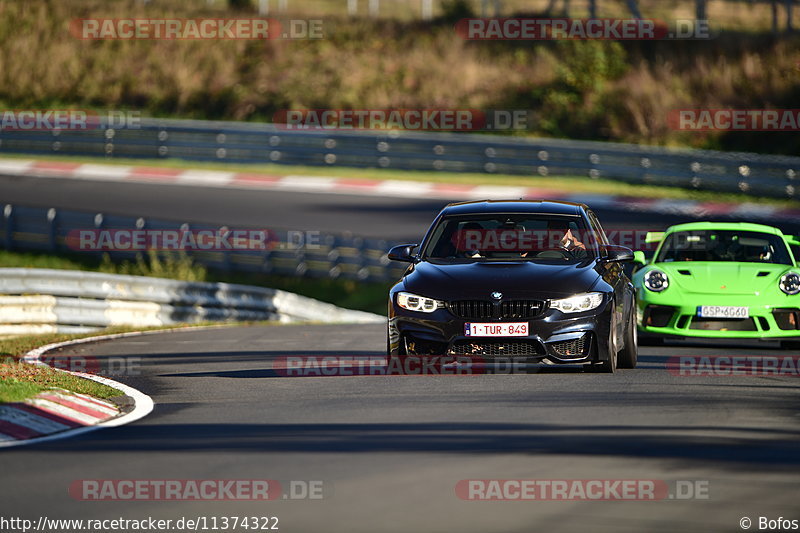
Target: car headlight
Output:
[
  {"x": 414, "y": 302},
  {"x": 578, "y": 303},
  {"x": 790, "y": 283},
  {"x": 656, "y": 280}
]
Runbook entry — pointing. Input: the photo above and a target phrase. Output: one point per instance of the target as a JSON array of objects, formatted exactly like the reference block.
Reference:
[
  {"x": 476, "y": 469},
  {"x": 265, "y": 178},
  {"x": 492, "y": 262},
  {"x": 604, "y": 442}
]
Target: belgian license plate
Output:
[
  {"x": 502, "y": 329},
  {"x": 722, "y": 311}
]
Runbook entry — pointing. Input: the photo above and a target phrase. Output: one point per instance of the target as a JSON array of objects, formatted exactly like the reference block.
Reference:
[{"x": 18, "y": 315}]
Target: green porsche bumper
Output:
[{"x": 678, "y": 314}]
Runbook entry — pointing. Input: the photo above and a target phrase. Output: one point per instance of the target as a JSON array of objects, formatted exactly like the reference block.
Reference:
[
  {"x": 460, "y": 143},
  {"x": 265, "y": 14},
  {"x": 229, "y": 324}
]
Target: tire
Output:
[
  {"x": 610, "y": 366},
  {"x": 401, "y": 349},
  {"x": 628, "y": 356}
]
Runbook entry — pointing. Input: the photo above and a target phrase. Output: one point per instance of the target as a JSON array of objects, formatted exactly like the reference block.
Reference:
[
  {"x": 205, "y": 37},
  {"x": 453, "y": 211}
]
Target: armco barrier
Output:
[
  {"x": 330, "y": 256},
  {"x": 47, "y": 300},
  {"x": 762, "y": 175}
]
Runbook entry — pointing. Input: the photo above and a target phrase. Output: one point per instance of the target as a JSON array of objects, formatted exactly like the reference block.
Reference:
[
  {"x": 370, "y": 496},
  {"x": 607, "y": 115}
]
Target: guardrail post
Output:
[
  {"x": 8, "y": 222},
  {"x": 52, "y": 229},
  {"x": 226, "y": 254}
]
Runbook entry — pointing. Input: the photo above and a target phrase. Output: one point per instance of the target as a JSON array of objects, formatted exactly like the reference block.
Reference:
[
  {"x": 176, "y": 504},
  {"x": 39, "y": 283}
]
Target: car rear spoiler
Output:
[{"x": 653, "y": 237}]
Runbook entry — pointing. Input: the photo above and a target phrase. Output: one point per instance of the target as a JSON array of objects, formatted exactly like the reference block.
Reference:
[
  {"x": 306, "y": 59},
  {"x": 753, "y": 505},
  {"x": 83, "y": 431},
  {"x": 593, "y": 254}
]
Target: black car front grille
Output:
[
  {"x": 487, "y": 309},
  {"x": 497, "y": 349},
  {"x": 472, "y": 309},
  {"x": 572, "y": 348}
]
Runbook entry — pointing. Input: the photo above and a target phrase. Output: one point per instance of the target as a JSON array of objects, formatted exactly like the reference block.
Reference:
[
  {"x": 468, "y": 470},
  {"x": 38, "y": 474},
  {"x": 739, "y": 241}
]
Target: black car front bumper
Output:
[{"x": 553, "y": 336}]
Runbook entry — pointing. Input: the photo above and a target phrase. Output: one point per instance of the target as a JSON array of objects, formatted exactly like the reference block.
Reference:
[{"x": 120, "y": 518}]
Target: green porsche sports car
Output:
[{"x": 720, "y": 280}]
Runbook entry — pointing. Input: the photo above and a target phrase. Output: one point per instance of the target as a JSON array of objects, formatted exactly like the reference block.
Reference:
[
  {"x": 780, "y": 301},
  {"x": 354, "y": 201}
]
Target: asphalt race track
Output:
[
  {"x": 390, "y": 449},
  {"x": 367, "y": 216}
]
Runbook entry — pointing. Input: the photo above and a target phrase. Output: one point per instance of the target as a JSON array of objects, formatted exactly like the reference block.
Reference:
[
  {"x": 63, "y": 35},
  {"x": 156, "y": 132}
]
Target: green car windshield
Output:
[{"x": 724, "y": 246}]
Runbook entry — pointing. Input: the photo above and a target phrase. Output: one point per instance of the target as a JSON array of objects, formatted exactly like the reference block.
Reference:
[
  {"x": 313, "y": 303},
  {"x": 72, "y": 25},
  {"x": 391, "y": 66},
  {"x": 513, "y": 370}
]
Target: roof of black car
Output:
[{"x": 514, "y": 206}]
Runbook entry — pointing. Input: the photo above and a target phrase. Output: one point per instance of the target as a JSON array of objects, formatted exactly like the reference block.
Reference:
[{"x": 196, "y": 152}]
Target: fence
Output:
[
  {"x": 772, "y": 176},
  {"x": 45, "y": 300},
  {"x": 332, "y": 256}
]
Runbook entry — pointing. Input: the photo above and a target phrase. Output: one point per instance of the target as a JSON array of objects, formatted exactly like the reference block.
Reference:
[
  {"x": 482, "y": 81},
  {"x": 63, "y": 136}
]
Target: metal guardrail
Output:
[
  {"x": 763, "y": 175},
  {"x": 334, "y": 256},
  {"x": 76, "y": 301}
]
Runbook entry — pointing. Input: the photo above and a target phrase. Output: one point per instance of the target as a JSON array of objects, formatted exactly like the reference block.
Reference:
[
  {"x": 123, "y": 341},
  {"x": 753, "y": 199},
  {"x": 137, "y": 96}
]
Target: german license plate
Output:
[
  {"x": 722, "y": 311},
  {"x": 502, "y": 329}
]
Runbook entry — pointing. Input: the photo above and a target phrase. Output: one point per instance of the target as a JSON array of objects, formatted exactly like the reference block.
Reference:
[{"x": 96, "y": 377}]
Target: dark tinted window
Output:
[{"x": 724, "y": 245}]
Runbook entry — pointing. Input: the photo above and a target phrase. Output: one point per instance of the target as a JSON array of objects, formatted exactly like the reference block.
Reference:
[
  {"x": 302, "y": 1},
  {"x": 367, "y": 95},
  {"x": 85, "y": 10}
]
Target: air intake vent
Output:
[
  {"x": 762, "y": 274},
  {"x": 684, "y": 272}
]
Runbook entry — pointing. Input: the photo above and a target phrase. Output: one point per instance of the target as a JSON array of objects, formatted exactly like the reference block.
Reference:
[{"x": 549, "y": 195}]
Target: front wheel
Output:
[
  {"x": 610, "y": 366},
  {"x": 630, "y": 353}
]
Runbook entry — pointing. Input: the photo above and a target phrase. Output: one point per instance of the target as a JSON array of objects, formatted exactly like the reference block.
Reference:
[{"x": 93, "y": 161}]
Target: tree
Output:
[{"x": 700, "y": 10}]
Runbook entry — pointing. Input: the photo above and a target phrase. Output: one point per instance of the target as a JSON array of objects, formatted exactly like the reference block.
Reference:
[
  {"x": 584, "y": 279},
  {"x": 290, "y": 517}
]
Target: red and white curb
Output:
[
  {"x": 386, "y": 188},
  {"x": 51, "y": 412},
  {"x": 54, "y": 415}
]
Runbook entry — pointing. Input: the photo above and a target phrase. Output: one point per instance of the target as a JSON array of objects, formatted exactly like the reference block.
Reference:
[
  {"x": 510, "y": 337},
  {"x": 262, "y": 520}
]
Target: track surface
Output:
[
  {"x": 368, "y": 216},
  {"x": 390, "y": 449}
]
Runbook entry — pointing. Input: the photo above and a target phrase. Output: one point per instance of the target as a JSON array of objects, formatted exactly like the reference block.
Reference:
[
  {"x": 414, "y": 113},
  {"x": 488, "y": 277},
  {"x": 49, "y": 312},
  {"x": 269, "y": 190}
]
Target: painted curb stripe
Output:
[
  {"x": 78, "y": 406},
  {"x": 15, "y": 414},
  {"x": 61, "y": 410},
  {"x": 18, "y": 432},
  {"x": 46, "y": 414}
]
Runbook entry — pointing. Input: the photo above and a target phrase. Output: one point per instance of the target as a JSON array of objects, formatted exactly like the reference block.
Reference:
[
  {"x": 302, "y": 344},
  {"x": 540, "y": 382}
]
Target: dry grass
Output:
[{"x": 599, "y": 90}]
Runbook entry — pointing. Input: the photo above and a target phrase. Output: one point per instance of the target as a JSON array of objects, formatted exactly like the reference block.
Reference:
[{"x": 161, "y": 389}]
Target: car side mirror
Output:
[
  {"x": 403, "y": 252},
  {"x": 618, "y": 254},
  {"x": 639, "y": 258}
]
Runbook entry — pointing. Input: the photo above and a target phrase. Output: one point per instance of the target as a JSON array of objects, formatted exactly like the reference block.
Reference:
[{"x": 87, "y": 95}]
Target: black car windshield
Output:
[
  {"x": 724, "y": 245},
  {"x": 510, "y": 237}
]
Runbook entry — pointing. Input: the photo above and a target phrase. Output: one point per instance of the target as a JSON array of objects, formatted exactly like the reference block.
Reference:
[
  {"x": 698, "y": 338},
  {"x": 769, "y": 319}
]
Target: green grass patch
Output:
[
  {"x": 556, "y": 184},
  {"x": 21, "y": 380},
  {"x": 15, "y": 390}
]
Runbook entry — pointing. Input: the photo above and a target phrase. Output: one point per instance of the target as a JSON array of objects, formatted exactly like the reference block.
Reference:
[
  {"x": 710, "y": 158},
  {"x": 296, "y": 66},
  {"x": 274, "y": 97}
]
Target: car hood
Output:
[
  {"x": 522, "y": 279},
  {"x": 724, "y": 278}
]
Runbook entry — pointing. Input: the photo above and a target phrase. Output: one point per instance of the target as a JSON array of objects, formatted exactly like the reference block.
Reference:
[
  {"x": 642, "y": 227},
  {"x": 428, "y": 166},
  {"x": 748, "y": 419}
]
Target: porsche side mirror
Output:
[
  {"x": 403, "y": 252},
  {"x": 618, "y": 254},
  {"x": 639, "y": 258}
]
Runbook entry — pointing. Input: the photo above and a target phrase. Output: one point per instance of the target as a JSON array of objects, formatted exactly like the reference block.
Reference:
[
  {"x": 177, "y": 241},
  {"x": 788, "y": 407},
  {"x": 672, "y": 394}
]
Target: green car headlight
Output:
[
  {"x": 414, "y": 302},
  {"x": 578, "y": 303},
  {"x": 656, "y": 280},
  {"x": 790, "y": 283}
]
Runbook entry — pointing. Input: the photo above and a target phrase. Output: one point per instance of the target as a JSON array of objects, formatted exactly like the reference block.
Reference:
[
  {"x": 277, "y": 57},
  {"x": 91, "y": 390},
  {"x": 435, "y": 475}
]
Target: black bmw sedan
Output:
[{"x": 518, "y": 279}]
